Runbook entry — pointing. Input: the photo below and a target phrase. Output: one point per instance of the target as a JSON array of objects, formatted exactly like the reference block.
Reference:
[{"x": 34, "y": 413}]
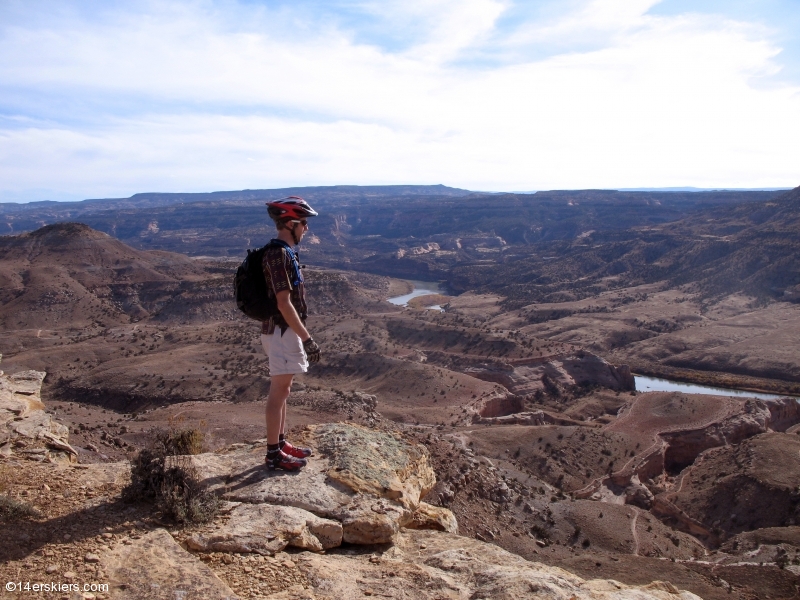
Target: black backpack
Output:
[{"x": 253, "y": 296}]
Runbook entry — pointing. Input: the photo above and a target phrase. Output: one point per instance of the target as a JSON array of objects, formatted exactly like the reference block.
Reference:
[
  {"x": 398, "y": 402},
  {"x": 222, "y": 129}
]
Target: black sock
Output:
[
  {"x": 281, "y": 440},
  {"x": 273, "y": 450}
]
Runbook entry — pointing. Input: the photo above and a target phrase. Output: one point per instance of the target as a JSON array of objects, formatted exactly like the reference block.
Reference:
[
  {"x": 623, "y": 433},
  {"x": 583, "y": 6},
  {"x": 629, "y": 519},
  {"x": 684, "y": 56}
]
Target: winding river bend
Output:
[
  {"x": 643, "y": 383},
  {"x": 654, "y": 384},
  {"x": 421, "y": 288}
]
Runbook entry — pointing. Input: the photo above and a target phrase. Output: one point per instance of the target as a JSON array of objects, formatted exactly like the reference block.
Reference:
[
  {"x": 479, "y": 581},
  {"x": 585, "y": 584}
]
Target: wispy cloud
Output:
[{"x": 205, "y": 95}]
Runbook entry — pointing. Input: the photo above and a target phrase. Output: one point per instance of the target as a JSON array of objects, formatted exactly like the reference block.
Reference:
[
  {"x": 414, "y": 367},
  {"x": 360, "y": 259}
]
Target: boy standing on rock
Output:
[{"x": 285, "y": 338}]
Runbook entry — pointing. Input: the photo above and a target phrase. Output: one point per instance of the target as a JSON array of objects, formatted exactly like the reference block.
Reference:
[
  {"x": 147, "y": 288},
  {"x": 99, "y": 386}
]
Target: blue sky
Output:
[{"x": 103, "y": 99}]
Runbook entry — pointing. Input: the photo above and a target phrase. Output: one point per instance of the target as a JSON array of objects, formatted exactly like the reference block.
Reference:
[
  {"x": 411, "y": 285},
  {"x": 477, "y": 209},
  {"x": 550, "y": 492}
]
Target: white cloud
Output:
[
  {"x": 454, "y": 25},
  {"x": 589, "y": 20},
  {"x": 178, "y": 99}
]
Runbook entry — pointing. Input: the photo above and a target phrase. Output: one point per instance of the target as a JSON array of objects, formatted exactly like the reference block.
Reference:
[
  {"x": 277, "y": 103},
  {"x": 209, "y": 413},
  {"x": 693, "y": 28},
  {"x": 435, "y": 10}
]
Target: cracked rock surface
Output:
[
  {"x": 370, "y": 482},
  {"x": 26, "y": 430}
]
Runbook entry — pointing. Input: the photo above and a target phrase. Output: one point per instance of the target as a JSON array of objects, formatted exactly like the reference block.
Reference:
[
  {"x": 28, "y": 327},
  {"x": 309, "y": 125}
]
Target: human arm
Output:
[
  {"x": 294, "y": 321},
  {"x": 290, "y": 315}
]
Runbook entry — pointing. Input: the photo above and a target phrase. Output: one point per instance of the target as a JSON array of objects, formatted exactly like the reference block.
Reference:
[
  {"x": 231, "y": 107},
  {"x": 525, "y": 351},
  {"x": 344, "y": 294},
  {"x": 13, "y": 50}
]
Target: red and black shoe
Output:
[
  {"x": 296, "y": 451},
  {"x": 284, "y": 462}
]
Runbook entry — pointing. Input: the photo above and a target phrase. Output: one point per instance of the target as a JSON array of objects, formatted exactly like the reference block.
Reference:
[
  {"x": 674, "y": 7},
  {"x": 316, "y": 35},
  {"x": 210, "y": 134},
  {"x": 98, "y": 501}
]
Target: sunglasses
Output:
[{"x": 303, "y": 222}]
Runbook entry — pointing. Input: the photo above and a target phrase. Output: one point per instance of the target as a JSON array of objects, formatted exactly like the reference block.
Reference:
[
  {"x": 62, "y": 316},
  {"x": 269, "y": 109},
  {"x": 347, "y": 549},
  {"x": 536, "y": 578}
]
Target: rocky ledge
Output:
[
  {"x": 426, "y": 565},
  {"x": 26, "y": 430},
  {"x": 357, "y": 516},
  {"x": 352, "y": 524},
  {"x": 363, "y": 487}
]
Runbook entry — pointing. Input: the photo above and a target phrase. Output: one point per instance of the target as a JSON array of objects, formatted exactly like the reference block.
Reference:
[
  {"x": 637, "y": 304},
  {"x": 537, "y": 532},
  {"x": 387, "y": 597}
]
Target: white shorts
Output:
[{"x": 285, "y": 352}]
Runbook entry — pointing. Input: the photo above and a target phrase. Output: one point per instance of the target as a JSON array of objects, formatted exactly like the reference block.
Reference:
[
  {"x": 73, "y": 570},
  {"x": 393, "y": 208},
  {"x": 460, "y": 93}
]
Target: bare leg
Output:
[
  {"x": 279, "y": 388},
  {"x": 283, "y": 418}
]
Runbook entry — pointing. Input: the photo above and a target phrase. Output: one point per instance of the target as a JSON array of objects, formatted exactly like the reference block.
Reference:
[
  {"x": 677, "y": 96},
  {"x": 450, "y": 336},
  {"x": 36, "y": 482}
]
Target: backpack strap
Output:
[{"x": 298, "y": 278}]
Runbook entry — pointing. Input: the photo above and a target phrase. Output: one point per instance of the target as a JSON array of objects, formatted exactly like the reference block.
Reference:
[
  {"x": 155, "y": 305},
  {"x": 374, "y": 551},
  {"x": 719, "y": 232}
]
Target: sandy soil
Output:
[
  {"x": 190, "y": 360},
  {"x": 735, "y": 341}
]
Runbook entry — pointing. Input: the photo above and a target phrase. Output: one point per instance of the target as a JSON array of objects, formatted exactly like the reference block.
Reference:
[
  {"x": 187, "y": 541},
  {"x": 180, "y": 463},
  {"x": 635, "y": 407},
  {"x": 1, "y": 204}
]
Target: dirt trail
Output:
[{"x": 633, "y": 531}]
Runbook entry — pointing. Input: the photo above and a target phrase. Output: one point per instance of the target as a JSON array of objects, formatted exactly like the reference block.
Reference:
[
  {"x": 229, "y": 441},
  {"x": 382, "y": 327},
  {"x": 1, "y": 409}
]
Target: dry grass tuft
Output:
[{"x": 161, "y": 474}]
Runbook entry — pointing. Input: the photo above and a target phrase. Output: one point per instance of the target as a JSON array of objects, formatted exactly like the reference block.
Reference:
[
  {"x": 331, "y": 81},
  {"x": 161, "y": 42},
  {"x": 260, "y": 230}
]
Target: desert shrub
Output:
[
  {"x": 161, "y": 476},
  {"x": 183, "y": 498},
  {"x": 147, "y": 474},
  {"x": 14, "y": 510},
  {"x": 184, "y": 441},
  {"x": 540, "y": 532}
]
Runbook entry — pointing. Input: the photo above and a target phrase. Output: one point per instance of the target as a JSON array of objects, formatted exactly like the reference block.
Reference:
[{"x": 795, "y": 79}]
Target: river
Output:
[
  {"x": 421, "y": 288},
  {"x": 643, "y": 384},
  {"x": 653, "y": 384}
]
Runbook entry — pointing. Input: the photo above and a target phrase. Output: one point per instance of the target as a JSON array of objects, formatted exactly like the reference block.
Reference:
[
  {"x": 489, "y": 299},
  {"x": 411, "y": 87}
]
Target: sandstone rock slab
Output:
[
  {"x": 267, "y": 529},
  {"x": 157, "y": 568},
  {"x": 431, "y": 565},
  {"x": 243, "y": 477},
  {"x": 25, "y": 427},
  {"x": 369, "y": 481},
  {"x": 376, "y": 462}
]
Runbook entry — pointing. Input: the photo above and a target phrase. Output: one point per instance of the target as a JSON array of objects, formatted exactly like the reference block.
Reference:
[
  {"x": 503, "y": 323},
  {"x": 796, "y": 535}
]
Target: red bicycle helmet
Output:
[{"x": 293, "y": 207}]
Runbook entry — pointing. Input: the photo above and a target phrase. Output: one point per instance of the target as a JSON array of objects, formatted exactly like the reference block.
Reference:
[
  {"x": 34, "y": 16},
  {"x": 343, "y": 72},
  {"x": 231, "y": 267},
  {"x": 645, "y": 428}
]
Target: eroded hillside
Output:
[{"x": 536, "y": 438}]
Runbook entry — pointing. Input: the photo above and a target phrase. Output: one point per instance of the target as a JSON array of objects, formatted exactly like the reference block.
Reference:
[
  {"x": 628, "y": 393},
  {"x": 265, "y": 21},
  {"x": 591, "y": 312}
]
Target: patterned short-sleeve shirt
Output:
[{"x": 282, "y": 272}]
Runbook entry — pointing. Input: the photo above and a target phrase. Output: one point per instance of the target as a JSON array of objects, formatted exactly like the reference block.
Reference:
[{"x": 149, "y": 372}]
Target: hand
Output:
[{"x": 312, "y": 350}]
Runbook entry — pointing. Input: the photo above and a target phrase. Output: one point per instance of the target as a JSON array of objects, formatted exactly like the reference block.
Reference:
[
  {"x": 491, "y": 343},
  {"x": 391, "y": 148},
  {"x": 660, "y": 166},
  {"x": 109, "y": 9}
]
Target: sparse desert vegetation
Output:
[{"x": 517, "y": 389}]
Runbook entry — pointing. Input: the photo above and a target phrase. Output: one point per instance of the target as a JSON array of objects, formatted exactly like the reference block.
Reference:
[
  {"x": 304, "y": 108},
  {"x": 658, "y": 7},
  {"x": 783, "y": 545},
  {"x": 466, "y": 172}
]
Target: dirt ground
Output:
[
  {"x": 198, "y": 364},
  {"x": 735, "y": 341}
]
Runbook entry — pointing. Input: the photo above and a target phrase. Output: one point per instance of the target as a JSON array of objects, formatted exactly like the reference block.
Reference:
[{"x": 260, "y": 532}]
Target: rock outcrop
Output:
[
  {"x": 429, "y": 565},
  {"x": 676, "y": 448},
  {"x": 267, "y": 529},
  {"x": 589, "y": 369},
  {"x": 365, "y": 486},
  {"x": 549, "y": 374},
  {"x": 724, "y": 485},
  {"x": 417, "y": 250},
  {"x": 535, "y": 417},
  {"x": 156, "y": 567},
  {"x": 683, "y": 447},
  {"x": 420, "y": 564},
  {"x": 26, "y": 430}
]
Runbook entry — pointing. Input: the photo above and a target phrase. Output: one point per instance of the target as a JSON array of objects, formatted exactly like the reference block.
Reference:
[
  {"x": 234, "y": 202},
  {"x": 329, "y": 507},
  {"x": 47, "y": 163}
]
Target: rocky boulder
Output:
[
  {"x": 368, "y": 483},
  {"x": 429, "y": 565},
  {"x": 157, "y": 567},
  {"x": 26, "y": 430},
  {"x": 268, "y": 529}
]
